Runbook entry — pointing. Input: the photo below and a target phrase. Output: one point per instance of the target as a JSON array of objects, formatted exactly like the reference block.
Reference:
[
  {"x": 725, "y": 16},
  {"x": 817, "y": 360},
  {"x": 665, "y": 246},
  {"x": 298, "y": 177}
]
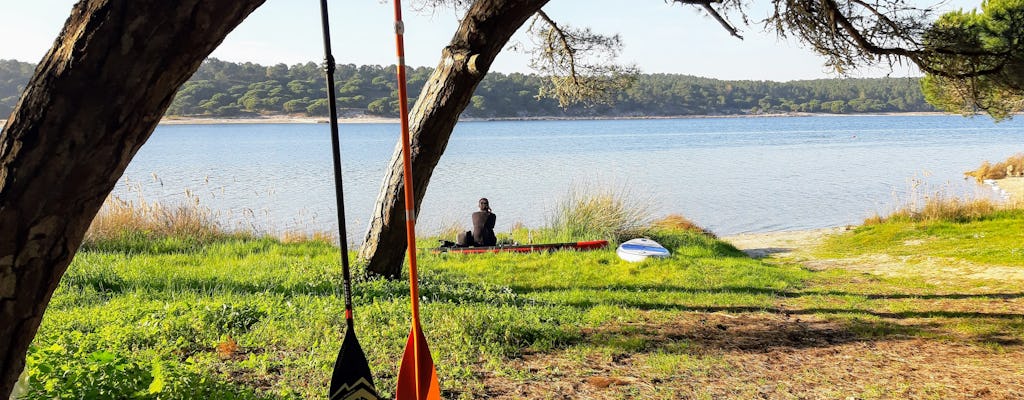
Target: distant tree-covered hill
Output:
[
  {"x": 13, "y": 77},
  {"x": 226, "y": 89}
]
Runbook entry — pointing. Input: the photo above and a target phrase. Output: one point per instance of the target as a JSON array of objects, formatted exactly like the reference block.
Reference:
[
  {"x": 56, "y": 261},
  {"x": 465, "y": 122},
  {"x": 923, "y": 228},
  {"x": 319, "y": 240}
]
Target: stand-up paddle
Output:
[
  {"x": 352, "y": 379},
  {"x": 417, "y": 378}
]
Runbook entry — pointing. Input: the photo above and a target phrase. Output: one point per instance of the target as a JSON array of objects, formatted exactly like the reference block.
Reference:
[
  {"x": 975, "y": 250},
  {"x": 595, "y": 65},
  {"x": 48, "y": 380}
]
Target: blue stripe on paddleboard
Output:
[{"x": 640, "y": 247}]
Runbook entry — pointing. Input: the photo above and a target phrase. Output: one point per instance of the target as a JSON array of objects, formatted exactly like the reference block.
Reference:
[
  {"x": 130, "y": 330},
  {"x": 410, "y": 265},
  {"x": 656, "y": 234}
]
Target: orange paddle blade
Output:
[{"x": 417, "y": 367}]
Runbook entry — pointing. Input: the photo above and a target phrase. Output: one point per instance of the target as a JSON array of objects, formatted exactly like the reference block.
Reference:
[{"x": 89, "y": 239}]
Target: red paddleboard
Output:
[{"x": 525, "y": 248}]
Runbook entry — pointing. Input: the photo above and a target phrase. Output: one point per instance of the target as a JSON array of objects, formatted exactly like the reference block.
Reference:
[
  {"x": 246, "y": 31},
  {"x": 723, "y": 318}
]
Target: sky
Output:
[{"x": 658, "y": 37}]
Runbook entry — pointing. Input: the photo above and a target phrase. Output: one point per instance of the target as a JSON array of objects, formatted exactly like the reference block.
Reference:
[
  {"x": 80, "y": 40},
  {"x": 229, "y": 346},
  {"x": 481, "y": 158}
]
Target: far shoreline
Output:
[{"x": 285, "y": 119}]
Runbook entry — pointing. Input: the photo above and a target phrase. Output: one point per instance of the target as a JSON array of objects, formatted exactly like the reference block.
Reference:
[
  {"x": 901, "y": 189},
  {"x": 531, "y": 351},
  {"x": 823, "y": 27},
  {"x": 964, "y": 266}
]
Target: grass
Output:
[
  {"x": 873, "y": 313},
  {"x": 178, "y": 313},
  {"x": 992, "y": 238}
]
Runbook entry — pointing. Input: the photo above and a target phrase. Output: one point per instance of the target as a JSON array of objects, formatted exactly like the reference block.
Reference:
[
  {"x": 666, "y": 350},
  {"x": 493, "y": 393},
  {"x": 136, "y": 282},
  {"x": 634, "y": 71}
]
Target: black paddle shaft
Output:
[
  {"x": 352, "y": 378},
  {"x": 339, "y": 195}
]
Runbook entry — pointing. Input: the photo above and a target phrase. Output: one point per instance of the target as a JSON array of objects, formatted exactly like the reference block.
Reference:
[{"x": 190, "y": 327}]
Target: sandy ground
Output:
[
  {"x": 760, "y": 245},
  {"x": 374, "y": 120},
  {"x": 793, "y": 245},
  {"x": 1014, "y": 186}
]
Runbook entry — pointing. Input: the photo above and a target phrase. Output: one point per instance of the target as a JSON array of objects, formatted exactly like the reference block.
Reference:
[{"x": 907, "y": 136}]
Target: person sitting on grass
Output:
[{"x": 483, "y": 228}]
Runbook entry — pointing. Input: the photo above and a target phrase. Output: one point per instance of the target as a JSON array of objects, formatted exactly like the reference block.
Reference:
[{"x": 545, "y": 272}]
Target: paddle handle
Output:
[{"x": 339, "y": 194}]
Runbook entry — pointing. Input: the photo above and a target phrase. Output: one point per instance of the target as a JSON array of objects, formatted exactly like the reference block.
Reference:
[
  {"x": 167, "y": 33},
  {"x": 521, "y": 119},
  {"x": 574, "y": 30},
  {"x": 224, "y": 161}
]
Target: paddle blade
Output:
[
  {"x": 429, "y": 388},
  {"x": 352, "y": 379}
]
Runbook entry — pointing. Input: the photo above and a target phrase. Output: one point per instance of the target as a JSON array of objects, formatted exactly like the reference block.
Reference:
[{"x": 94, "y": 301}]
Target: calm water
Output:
[{"x": 731, "y": 175}]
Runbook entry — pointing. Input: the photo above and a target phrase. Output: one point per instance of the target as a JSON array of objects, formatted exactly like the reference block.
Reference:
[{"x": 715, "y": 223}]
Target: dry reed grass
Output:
[
  {"x": 942, "y": 205},
  {"x": 190, "y": 219},
  {"x": 293, "y": 236},
  {"x": 451, "y": 229},
  {"x": 680, "y": 223},
  {"x": 118, "y": 216},
  {"x": 1013, "y": 166}
]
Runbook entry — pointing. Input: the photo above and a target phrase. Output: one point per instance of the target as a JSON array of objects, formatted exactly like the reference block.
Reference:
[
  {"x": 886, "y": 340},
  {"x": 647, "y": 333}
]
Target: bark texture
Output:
[
  {"x": 483, "y": 33},
  {"x": 94, "y": 100}
]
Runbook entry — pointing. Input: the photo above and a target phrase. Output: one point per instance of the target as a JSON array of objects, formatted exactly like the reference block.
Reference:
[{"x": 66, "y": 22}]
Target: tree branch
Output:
[
  {"x": 837, "y": 18},
  {"x": 569, "y": 51},
  {"x": 718, "y": 17},
  {"x": 706, "y": 4}
]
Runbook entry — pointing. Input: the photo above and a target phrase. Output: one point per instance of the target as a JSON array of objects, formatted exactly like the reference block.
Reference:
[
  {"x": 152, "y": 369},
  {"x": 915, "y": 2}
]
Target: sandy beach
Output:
[
  {"x": 759, "y": 245},
  {"x": 1014, "y": 186},
  {"x": 285, "y": 119}
]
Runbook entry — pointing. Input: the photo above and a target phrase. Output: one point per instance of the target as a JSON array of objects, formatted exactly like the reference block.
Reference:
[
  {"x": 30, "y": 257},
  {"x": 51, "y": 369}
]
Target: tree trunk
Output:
[
  {"x": 484, "y": 31},
  {"x": 94, "y": 100}
]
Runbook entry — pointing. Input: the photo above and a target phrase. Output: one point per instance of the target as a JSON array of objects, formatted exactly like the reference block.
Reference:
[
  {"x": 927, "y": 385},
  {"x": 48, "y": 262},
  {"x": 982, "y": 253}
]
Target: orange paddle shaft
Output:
[{"x": 410, "y": 205}]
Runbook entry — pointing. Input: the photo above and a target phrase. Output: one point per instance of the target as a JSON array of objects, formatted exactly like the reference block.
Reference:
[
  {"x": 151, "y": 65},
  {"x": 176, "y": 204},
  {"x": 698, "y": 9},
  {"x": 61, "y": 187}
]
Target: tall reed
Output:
[
  {"x": 600, "y": 213},
  {"x": 928, "y": 204},
  {"x": 119, "y": 217}
]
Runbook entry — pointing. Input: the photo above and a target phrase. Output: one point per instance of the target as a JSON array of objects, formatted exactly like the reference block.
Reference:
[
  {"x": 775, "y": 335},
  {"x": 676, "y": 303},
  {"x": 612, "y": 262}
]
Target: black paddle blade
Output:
[{"x": 352, "y": 379}]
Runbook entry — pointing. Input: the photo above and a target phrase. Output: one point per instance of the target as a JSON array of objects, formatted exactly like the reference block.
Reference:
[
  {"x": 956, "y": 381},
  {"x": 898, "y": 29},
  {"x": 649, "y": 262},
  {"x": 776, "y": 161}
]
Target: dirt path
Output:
[
  {"x": 793, "y": 243},
  {"x": 795, "y": 246},
  {"x": 762, "y": 356}
]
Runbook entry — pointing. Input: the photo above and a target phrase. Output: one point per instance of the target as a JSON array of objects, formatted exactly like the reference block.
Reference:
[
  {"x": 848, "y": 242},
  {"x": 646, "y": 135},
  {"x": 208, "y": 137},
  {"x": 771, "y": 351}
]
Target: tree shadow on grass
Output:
[
  {"x": 897, "y": 296},
  {"x": 841, "y": 324}
]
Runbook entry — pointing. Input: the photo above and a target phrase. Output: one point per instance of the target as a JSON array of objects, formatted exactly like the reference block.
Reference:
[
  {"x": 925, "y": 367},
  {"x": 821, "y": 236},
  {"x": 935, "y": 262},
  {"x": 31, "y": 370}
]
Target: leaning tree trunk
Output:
[
  {"x": 484, "y": 31},
  {"x": 95, "y": 98}
]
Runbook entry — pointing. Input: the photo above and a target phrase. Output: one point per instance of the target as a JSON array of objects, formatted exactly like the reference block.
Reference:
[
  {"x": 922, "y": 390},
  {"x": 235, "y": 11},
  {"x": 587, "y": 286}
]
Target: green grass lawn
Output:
[
  {"x": 146, "y": 317},
  {"x": 994, "y": 239},
  {"x": 238, "y": 317}
]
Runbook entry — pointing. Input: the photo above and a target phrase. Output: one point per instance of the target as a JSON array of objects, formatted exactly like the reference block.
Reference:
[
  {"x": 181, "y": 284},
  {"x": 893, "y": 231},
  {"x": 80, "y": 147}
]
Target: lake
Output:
[{"x": 730, "y": 175}]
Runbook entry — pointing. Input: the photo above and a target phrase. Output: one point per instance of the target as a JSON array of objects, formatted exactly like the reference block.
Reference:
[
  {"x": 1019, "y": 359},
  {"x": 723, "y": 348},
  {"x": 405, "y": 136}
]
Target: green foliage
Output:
[
  {"x": 77, "y": 365},
  {"x": 978, "y": 63},
  {"x": 580, "y": 64},
  {"x": 222, "y": 88},
  {"x": 229, "y": 319}
]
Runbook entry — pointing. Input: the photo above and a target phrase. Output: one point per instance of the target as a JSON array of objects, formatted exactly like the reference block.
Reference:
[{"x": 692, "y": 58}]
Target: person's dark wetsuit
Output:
[{"x": 483, "y": 228}]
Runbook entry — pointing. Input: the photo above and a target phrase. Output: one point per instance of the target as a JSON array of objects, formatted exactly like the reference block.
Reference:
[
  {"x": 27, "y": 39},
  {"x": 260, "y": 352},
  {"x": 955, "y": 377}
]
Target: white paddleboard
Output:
[{"x": 636, "y": 250}]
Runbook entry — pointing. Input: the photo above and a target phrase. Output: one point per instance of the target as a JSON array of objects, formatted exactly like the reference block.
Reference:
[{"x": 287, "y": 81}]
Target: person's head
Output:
[{"x": 484, "y": 204}]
